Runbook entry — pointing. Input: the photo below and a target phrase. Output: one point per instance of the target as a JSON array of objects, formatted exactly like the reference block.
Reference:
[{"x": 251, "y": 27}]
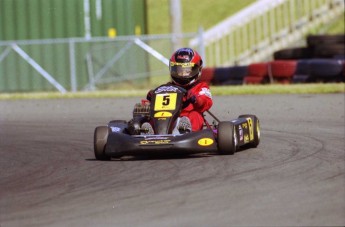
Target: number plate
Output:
[{"x": 165, "y": 101}]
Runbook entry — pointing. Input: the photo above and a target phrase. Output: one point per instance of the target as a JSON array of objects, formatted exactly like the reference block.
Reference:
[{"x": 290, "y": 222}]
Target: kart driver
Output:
[{"x": 185, "y": 71}]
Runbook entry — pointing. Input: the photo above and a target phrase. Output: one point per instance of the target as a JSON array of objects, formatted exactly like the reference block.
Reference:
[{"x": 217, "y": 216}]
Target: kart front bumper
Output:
[{"x": 120, "y": 144}]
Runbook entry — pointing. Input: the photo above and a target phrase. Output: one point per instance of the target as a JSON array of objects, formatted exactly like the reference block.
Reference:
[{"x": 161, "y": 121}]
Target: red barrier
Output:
[
  {"x": 207, "y": 75},
  {"x": 254, "y": 80},
  {"x": 257, "y": 73},
  {"x": 258, "y": 69},
  {"x": 283, "y": 69}
]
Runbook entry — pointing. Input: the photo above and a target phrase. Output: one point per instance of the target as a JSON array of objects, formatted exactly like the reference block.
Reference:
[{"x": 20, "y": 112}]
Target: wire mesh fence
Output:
[{"x": 85, "y": 64}]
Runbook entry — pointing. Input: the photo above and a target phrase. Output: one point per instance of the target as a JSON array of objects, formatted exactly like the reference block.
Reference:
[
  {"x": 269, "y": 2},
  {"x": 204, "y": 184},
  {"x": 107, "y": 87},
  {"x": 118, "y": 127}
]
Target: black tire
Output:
[
  {"x": 325, "y": 68},
  {"x": 238, "y": 72},
  {"x": 293, "y": 53},
  {"x": 232, "y": 73},
  {"x": 233, "y": 82},
  {"x": 302, "y": 67},
  {"x": 100, "y": 141},
  {"x": 256, "y": 127},
  {"x": 226, "y": 138},
  {"x": 315, "y": 40},
  {"x": 329, "y": 51},
  {"x": 302, "y": 72}
]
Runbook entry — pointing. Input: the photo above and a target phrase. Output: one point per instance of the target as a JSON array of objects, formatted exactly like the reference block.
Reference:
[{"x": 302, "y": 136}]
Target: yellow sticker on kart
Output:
[
  {"x": 251, "y": 128},
  {"x": 162, "y": 114},
  {"x": 165, "y": 102},
  {"x": 205, "y": 142}
]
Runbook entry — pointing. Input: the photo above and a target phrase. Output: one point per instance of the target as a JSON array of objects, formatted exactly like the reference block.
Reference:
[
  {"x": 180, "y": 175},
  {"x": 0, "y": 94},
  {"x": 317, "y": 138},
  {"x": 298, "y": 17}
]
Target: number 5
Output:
[{"x": 166, "y": 100}]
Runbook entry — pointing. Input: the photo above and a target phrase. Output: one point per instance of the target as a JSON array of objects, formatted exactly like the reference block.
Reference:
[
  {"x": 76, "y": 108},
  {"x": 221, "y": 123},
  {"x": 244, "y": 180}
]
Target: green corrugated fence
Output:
[{"x": 35, "y": 21}]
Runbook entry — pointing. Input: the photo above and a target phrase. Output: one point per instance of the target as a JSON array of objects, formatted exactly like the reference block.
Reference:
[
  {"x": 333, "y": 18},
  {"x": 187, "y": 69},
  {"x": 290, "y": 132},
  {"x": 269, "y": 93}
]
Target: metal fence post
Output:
[
  {"x": 72, "y": 65},
  {"x": 201, "y": 48}
]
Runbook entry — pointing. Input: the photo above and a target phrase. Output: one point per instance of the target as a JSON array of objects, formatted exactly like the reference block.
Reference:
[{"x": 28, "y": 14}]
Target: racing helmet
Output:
[{"x": 185, "y": 67}]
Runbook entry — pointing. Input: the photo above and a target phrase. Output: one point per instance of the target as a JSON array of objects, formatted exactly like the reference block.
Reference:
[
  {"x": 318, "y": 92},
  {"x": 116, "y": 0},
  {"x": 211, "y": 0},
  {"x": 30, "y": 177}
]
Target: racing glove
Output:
[
  {"x": 189, "y": 100},
  {"x": 199, "y": 102},
  {"x": 192, "y": 99}
]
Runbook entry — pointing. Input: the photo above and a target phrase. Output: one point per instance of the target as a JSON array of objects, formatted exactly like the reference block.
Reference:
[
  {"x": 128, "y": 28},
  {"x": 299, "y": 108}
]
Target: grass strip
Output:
[
  {"x": 216, "y": 90},
  {"x": 280, "y": 89}
]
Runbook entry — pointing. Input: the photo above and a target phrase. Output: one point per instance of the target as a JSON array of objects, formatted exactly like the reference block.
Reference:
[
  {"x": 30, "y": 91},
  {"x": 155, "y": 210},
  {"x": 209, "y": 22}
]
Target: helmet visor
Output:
[{"x": 184, "y": 71}]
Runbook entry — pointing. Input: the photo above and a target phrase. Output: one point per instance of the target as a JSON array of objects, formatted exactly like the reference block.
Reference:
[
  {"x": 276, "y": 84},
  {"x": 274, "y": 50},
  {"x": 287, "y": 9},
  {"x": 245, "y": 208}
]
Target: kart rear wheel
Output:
[
  {"x": 256, "y": 128},
  {"x": 227, "y": 141},
  {"x": 100, "y": 141}
]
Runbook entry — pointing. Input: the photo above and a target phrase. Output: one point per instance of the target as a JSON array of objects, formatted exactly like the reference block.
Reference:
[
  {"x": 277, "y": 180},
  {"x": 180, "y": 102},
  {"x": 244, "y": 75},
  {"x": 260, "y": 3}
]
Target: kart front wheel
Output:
[
  {"x": 100, "y": 141},
  {"x": 226, "y": 138}
]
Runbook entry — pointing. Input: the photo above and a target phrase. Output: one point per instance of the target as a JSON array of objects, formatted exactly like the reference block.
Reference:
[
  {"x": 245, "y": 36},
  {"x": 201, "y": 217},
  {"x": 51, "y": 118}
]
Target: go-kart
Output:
[{"x": 122, "y": 138}]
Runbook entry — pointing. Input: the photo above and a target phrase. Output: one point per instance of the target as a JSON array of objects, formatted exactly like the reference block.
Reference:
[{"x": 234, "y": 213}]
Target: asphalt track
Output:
[{"x": 296, "y": 176}]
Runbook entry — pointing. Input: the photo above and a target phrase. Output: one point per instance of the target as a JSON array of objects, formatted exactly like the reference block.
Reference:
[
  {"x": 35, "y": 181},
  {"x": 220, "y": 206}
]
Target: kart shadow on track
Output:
[
  {"x": 146, "y": 157},
  {"x": 169, "y": 156},
  {"x": 162, "y": 157}
]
